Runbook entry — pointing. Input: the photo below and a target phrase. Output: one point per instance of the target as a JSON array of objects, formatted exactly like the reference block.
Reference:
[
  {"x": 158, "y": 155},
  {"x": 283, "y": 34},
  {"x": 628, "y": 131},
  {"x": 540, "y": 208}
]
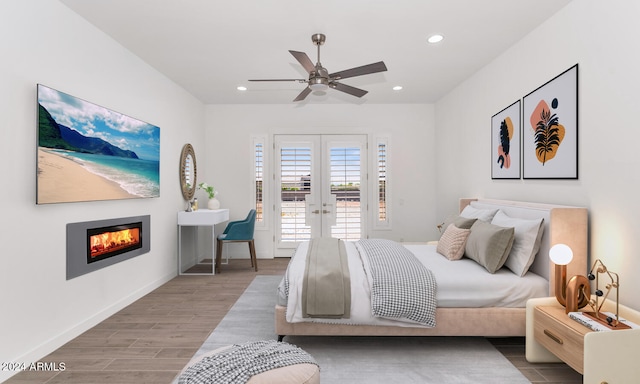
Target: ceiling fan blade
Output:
[
  {"x": 304, "y": 60},
  {"x": 298, "y": 80},
  {"x": 357, "y": 92},
  {"x": 359, "y": 71},
  {"x": 305, "y": 92}
]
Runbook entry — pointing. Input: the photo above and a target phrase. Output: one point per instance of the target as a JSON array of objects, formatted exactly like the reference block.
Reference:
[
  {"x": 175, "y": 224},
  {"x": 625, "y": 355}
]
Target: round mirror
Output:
[{"x": 188, "y": 172}]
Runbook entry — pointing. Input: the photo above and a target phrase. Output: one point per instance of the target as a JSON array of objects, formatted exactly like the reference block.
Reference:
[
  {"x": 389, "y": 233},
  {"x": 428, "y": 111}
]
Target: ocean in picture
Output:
[{"x": 137, "y": 176}]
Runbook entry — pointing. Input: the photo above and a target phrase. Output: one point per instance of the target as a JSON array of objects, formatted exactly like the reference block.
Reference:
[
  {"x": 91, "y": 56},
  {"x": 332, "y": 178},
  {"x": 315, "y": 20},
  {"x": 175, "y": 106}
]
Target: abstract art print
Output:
[
  {"x": 87, "y": 152},
  {"x": 505, "y": 143},
  {"x": 550, "y": 131}
]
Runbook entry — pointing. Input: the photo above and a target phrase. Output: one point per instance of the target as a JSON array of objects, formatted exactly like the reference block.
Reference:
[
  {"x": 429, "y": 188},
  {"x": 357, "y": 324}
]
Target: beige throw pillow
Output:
[{"x": 451, "y": 244}]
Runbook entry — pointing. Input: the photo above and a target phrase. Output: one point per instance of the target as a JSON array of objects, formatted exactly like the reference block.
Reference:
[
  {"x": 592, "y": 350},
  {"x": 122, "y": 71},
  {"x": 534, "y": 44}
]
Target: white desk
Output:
[{"x": 200, "y": 218}]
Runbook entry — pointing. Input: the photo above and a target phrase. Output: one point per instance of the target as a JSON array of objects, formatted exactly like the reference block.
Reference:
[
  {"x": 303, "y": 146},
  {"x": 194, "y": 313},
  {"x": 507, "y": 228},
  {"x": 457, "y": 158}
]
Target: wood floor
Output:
[{"x": 151, "y": 340}]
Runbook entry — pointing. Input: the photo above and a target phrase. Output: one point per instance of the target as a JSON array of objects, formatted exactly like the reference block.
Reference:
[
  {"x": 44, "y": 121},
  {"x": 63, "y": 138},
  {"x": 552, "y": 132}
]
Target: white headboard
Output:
[{"x": 562, "y": 224}]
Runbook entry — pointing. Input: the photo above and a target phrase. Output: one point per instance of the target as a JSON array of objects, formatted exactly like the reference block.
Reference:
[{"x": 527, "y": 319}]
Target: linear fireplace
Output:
[
  {"x": 93, "y": 245},
  {"x": 113, "y": 240}
]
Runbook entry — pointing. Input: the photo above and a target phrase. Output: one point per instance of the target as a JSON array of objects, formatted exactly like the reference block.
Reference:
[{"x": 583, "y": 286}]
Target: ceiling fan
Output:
[{"x": 320, "y": 79}]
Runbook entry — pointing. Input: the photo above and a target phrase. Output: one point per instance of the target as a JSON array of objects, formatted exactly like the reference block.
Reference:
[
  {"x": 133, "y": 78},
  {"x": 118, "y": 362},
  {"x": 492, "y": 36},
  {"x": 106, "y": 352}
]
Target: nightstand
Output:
[
  {"x": 608, "y": 357},
  {"x": 560, "y": 335}
]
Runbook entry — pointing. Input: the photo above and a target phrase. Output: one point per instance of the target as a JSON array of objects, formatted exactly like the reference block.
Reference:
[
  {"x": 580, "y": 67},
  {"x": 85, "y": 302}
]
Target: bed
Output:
[{"x": 454, "y": 315}]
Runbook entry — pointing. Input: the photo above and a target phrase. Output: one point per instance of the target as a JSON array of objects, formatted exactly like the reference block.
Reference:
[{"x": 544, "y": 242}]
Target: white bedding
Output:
[
  {"x": 461, "y": 284},
  {"x": 466, "y": 284}
]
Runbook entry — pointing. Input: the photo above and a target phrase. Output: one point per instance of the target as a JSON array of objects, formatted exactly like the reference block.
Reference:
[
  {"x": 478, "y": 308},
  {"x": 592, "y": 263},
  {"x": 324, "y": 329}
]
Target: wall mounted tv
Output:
[{"x": 87, "y": 152}]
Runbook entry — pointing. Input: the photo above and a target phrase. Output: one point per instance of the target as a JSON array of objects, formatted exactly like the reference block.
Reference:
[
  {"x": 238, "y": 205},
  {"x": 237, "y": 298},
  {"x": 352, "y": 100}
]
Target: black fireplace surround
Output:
[{"x": 83, "y": 256}]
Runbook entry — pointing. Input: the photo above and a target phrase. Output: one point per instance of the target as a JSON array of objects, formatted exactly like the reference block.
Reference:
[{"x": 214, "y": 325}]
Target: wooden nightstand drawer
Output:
[{"x": 560, "y": 335}]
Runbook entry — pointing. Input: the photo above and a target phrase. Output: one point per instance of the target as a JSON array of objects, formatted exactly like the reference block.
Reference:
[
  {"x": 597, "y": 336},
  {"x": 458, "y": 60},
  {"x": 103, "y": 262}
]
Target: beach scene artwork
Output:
[{"x": 87, "y": 152}]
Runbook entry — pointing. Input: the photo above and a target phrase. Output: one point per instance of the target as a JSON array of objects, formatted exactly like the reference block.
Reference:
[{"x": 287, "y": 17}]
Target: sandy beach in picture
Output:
[{"x": 61, "y": 179}]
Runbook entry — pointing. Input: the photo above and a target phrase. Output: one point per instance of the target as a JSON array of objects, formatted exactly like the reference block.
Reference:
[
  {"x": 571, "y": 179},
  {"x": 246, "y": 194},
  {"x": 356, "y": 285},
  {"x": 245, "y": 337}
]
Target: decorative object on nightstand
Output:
[
  {"x": 605, "y": 319},
  {"x": 574, "y": 294}
]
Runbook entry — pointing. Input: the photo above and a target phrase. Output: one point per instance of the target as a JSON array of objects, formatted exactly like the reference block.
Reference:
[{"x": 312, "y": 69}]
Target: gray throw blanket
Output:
[
  {"x": 402, "y": 288},
  {"x": 239, "y": 363},
  {"x": 326, "y": 287}
]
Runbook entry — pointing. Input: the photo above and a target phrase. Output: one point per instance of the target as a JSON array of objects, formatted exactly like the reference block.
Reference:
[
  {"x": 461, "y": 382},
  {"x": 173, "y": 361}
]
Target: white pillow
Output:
[
  {"x": 485, "y": 215},
  {"x": 528, "y": 235}
]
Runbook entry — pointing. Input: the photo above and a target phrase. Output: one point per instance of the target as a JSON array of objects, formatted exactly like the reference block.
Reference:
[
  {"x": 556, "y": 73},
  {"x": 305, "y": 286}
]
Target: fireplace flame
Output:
[{"x": 112, "y": 241}]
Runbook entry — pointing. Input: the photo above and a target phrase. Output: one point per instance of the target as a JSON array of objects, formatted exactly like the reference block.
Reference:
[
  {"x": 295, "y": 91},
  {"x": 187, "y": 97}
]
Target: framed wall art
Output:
[
  {"x": 87, "y": 152},
  {"x": 505, "y": 143},
  {"x": 550, "y": 129}
]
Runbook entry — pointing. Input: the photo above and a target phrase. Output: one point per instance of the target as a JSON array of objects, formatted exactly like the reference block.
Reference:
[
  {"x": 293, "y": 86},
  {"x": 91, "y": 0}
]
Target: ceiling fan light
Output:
[
  {"x": 319, "y": 87},
  {"x": 318, "y": 84}
]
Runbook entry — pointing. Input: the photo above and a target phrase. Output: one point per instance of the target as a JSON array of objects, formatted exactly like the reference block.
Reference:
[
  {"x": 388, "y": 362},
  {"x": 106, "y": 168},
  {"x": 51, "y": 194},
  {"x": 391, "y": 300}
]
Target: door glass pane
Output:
[
  {"x": 295, "y": 176},
  {"x": 345, "y": 179}
]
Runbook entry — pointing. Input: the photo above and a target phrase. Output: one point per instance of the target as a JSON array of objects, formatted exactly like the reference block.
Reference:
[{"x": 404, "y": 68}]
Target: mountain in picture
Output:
[{"x": 57, "y": 136}]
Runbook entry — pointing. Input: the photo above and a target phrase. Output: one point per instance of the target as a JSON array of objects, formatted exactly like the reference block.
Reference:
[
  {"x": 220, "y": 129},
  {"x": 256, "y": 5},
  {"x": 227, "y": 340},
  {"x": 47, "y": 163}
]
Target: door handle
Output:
[
  {"x": 316, "y": 211},
  {"x": 326, "y": 211}
]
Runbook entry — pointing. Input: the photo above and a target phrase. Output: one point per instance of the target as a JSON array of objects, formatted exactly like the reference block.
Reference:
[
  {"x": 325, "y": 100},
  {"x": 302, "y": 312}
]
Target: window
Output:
[
  {"x": 259, "y": 170},
  {"x": 382, "y": 212}
]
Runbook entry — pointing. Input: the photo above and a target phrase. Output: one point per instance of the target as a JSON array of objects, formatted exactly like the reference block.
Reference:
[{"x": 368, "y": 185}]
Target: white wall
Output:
[
  {"x": 44, "y": 42},
  {"x": 602, "y": 38},
  {"x": 411, "y": 156}
]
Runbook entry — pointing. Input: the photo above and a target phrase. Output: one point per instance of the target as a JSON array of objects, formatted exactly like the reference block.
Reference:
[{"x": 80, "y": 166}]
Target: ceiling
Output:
[{"x": 210, "y": 47}]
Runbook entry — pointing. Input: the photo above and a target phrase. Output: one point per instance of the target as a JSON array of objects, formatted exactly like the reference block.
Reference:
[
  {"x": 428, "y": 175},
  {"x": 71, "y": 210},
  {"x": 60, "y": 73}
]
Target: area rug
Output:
[{"x": 367, "y": 359}]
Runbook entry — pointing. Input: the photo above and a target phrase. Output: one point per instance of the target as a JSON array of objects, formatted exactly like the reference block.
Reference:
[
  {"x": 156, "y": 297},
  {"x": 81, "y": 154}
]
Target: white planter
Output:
[{"x": 213, "y": 203}]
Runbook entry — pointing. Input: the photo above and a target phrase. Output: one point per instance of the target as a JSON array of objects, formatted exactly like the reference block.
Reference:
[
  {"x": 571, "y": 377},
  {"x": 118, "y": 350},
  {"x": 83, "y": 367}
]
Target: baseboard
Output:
[{"x": 37, "y": 353}]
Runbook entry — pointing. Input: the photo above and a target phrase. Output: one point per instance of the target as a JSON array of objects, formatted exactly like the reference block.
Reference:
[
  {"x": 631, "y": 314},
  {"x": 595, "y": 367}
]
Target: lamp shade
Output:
[{"x": 561, "y": 254}]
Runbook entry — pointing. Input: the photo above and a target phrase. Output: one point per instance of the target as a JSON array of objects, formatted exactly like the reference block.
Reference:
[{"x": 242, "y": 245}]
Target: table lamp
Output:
[{"x": 573, "y": 294}]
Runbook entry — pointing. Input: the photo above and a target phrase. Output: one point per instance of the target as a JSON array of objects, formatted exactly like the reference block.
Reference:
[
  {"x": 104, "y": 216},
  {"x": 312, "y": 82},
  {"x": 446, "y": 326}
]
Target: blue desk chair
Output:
[{"x": 235, "y": 232}]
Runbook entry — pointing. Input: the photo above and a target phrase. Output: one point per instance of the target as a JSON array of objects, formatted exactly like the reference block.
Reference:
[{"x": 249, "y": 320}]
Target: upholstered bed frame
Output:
[{"x": 563, "y": 224}]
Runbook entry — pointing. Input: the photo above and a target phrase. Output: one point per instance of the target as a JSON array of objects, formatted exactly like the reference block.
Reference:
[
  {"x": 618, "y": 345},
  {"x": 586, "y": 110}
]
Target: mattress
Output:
[{"x": 461, "y": 284}]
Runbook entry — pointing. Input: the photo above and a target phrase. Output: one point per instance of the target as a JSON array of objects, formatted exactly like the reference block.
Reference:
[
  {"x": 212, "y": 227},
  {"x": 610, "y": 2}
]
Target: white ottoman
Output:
[{"x": 292, "y": 374}]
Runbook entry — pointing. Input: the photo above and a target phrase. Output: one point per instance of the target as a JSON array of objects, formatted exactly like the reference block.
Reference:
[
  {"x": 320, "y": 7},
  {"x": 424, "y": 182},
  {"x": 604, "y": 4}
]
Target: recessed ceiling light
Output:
[
  {"x": 241, "y": 88},
  {"x": 397, "y": 87},
  {"x": 435, "y": 39}
]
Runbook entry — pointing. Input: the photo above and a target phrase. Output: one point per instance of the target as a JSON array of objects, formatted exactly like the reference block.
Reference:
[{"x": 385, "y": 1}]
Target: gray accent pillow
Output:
[
  {"x": 489, "y": 245},
  {"x": 458, "y": 221}
]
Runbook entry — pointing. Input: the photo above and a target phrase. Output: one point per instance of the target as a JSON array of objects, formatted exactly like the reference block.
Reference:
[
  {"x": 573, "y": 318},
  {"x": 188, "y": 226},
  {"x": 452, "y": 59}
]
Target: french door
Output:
[{"x": 321, "y": 182}]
